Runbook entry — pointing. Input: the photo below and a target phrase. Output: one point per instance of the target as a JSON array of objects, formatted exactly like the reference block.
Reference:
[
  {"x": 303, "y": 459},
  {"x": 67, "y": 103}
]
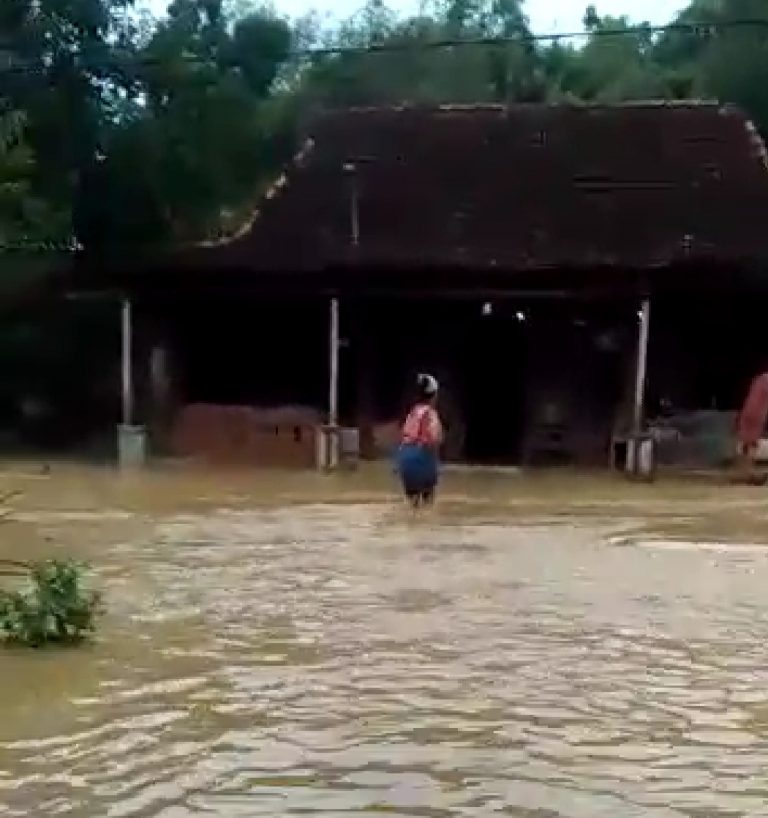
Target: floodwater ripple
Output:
[{"x": 344, "y": 660}]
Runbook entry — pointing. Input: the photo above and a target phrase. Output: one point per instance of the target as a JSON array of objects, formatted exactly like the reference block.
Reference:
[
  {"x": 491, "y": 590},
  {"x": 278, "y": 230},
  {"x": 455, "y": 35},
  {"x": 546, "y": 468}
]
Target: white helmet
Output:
[{"x": 427, "y": 384}]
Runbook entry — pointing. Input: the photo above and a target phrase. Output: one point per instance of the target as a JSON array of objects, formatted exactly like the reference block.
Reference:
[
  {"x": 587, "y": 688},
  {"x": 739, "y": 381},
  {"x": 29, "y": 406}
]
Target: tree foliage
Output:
[
  {"x": 199, "y": 134},
  {"x": 53, "y": 607},
  {"x": 412, "y": 65},
  {"x": 141, "y": 133}
]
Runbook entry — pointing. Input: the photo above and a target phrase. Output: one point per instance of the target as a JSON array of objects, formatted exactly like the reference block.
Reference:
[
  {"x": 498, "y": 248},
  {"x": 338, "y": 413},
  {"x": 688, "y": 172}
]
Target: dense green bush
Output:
[{"x": 54, "y": 607}]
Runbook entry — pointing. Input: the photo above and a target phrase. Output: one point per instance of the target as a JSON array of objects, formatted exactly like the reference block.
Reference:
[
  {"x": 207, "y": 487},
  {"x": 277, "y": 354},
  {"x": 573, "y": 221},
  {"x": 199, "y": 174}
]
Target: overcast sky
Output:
[{"x": 545, "y": 15}]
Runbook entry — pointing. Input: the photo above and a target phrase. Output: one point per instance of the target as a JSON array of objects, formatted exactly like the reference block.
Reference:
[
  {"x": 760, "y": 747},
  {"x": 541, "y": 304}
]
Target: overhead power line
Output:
[{"x": 700, "y": 29}]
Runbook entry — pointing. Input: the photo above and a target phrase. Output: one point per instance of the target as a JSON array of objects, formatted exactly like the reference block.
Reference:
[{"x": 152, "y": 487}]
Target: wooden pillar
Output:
[
  {"x": 160, "y": 395},
  {"x": 365, "y": 385},
  {"x": 350, "y": 170}
]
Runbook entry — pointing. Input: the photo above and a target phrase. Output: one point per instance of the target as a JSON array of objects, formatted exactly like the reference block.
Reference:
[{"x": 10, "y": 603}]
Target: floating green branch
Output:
[{"x": 53, "y": 608}]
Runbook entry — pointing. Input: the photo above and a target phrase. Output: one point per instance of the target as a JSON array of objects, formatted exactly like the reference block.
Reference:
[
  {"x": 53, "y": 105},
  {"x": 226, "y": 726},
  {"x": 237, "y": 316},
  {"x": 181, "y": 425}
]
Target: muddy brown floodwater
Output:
[{"x": 285, "y": 646}]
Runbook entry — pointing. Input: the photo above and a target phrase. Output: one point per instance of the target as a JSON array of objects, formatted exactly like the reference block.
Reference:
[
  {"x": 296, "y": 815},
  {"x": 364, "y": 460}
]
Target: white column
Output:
[
  {"x": 127, "y": 358},
  {"x": 642, "y": 366},
  {"x": 131, "y": 439},
  {"x": 333, "y": 387},
  {"x": 333, "y": 391}
]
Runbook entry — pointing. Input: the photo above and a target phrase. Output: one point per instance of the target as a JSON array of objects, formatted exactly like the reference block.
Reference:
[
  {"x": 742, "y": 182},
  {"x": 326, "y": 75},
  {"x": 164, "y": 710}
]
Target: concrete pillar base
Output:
[{"x": 131, "y": 446}]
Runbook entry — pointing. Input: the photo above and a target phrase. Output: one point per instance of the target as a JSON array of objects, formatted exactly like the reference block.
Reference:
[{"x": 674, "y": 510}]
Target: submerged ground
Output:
[{"x": 278, "y": 645}]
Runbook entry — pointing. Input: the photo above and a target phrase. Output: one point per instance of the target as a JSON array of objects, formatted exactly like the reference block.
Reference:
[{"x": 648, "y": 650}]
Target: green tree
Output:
[
  {"x": 414, "y": 61},
  {"x": 201, "y": 134},
  {"x": 733, "y": 66},
  {"x": 15, "y": 171},
  {"x": 717, "y": 59},
  {"x": 57, "y": 74},
  {"x": 610, "y": 67},
  {"x": 31, "y": 228}
]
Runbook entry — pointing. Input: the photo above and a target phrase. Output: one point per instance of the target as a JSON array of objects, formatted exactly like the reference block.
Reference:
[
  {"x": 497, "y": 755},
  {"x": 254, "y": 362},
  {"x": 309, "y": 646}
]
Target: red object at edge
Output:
[{"x": 754, "y": 412}]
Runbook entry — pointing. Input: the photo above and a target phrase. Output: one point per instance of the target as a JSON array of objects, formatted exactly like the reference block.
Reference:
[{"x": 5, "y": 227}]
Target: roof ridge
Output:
[
  {"x": 272, "y": 190},
  {"x": 577, "y": 105},
  {"x": 757, "y": 141}
]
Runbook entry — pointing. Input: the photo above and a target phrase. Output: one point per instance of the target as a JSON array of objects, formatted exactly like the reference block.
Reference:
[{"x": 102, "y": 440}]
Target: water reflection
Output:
[{"x": 264, "y": 659}]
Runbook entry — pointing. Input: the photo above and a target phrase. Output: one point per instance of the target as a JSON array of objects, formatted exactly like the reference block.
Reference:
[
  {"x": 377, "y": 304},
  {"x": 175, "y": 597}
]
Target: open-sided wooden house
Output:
[{"x": 508, "y": 249}]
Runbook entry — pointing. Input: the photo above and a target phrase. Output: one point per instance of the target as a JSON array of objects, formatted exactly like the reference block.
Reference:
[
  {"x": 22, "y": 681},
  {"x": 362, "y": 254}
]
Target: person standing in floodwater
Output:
[{"x": 417, "y": 456}]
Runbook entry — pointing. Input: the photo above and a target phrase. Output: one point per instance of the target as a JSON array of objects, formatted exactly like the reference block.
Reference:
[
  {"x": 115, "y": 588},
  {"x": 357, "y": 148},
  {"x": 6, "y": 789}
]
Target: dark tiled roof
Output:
[{"x": 517, "y": 188}]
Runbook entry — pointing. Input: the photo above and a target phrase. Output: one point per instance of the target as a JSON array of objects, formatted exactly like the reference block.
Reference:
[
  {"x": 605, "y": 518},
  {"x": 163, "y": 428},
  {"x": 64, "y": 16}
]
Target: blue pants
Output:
[{"x": 418, "y": 470}]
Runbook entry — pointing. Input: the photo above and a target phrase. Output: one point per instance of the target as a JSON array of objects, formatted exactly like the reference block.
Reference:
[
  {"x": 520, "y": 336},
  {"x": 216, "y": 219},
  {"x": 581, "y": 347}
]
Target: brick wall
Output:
[{"x": 243, "y": 435}]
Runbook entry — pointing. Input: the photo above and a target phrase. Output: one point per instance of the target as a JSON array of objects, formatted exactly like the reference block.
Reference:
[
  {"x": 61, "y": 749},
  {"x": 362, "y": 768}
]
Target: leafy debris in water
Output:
[{"x": 53, "y": 608}]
